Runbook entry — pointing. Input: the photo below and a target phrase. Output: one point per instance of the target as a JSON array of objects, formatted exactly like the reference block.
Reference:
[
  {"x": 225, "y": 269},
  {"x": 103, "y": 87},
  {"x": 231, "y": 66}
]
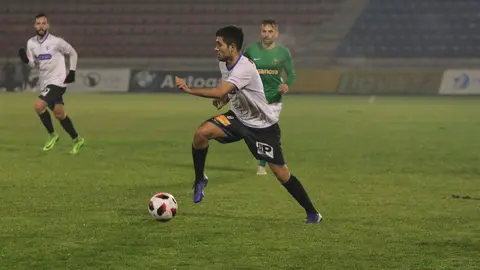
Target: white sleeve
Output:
[
  {"x": 240, "y": 77},
  {"x": 64, "y": 47},
  {"x": 67, "y": 49},
  {"x": 31, "y": 57}
]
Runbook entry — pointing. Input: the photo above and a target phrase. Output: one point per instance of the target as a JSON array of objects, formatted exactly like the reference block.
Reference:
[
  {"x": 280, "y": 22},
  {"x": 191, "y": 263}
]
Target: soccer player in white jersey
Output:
[
  {"x": 47, "y": 52},
  {"x": 250, "y": 118}
]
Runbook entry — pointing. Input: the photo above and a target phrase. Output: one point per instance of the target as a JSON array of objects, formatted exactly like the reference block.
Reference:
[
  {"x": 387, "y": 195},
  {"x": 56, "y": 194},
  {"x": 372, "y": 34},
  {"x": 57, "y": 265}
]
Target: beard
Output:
[
  {"x": 267, "y": 41},
  {"x": 41, "y": 33},
  {"x": 222, "y": 58}
]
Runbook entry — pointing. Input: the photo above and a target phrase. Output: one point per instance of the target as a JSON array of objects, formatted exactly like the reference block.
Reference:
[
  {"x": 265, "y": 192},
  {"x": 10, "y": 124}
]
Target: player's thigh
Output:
[
  {"x": 231, "y": 128},
  {"x": 52, "y": 95},
  {"x": 265, "y": 144},
  {"x": 40, "y": 105},
  {"x": 209, "y": 130}
]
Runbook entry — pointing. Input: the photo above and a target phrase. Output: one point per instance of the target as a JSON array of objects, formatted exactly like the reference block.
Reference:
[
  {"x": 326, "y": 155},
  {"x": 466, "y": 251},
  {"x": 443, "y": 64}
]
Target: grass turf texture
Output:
[{"x": 382, "y": 173}]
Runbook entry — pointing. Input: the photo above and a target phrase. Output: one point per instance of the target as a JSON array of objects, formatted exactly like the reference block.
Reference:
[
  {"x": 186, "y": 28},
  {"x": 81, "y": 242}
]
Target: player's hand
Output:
[
  {"x": 218, "y": 103},
  {"x": 23, "y": 55},
  {"x": 283, "y": 88},
  {"x": 70, "y": 77},
  {"x": 181, "y": 84}
]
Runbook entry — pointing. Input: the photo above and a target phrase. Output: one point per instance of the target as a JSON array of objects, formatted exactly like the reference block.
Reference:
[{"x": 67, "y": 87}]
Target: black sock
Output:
[
  {"x": 68, "y": 126},
  {"x": 47, "y": 121},
  {"x": 297, "y": 191},
  {"x": 199, "y": 157}
]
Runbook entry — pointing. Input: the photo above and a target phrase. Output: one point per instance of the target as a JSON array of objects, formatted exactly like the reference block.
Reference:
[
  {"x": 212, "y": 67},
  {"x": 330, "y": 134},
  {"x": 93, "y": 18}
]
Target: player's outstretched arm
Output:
[{"x": 218, "y": 92}]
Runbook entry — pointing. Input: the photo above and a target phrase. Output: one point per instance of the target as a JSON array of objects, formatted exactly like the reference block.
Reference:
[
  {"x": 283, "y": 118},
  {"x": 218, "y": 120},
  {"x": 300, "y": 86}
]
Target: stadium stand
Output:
[
  {"x": 150, "y": 28},
  {"x": 412, "y": 28}
]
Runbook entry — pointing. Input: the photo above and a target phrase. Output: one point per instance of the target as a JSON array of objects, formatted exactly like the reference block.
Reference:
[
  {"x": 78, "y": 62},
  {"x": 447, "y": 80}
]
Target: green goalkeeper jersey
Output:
[{"x": 270, "y": 64}]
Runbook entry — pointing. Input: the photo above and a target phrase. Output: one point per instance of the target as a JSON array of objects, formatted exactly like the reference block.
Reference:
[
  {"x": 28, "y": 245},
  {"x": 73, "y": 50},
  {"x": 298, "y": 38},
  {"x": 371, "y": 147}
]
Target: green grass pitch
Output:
[{"x": 382, "y": 172}]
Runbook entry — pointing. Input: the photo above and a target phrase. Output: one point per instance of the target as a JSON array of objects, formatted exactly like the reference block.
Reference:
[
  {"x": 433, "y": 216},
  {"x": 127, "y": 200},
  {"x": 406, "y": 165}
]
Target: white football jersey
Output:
[
  {"x": 49, "y": 56},
  {"x": 248, "y": 101}
]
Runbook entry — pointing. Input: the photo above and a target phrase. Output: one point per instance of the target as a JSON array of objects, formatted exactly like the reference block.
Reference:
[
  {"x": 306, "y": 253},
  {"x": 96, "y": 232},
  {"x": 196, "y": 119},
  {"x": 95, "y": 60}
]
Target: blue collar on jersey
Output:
[
  {"x": 240, "y": 56},
  {"x": 40, "y": 42}
]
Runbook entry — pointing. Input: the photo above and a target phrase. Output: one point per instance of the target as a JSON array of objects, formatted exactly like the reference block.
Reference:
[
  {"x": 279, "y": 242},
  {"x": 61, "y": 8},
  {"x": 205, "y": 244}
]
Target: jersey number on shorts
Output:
[{"x": 45, "y": 91}]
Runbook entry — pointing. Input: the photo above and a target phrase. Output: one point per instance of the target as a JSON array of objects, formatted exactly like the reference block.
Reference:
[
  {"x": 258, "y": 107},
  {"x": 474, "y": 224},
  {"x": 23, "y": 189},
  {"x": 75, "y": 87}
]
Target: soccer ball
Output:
[{"x": 163, "y": 206}]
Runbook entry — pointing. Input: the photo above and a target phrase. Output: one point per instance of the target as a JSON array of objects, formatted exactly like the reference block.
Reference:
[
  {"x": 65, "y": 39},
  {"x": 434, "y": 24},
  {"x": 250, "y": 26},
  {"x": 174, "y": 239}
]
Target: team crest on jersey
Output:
[
  {"x": 44, "y": 56},
  {"x": 275, "y": 61}
]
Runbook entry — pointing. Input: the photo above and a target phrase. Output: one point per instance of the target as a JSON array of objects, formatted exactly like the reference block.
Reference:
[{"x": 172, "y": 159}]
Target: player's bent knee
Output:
[
  {"x": 209, "y": 131},
  {"x": 201, "y": 133},
  {"x": 59, "y": 112},
  {"x": 40, "y": 106},
  {"x": 201, "y": 137},
  {"x": 60, "y": 115}
]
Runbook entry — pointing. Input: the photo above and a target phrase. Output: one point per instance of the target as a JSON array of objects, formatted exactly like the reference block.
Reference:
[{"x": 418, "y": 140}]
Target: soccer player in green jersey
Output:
[{"x": 271, "y": 60}]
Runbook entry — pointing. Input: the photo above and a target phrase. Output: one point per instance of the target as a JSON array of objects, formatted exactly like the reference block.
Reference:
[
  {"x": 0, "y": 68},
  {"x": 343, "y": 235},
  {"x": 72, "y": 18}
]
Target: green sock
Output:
[{"x": 262, "y": 163}]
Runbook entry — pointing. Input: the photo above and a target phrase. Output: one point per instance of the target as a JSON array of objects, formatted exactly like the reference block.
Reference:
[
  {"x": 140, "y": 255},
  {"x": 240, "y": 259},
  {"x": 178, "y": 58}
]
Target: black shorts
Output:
[
  {"x": 264, "y": 143},
  {"x": 52, "y": 94}
]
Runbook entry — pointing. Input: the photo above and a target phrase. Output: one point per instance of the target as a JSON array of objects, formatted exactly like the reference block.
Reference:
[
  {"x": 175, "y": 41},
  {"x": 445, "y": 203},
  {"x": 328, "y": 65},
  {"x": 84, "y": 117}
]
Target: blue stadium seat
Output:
[{"x": 412, "y": 28}]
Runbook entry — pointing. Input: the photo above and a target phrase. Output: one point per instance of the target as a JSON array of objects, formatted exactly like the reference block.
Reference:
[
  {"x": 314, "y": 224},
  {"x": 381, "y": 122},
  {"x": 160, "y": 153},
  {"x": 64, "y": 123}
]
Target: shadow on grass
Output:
[{"x": 208, "y": 167}]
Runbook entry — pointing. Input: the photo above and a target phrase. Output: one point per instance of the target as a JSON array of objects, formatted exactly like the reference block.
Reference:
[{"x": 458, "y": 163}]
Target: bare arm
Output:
[{"x": 218, "y": 92}]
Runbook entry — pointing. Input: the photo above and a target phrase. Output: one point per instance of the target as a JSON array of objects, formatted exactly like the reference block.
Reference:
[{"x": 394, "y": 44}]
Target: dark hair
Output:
[
  {"x": 40, "y": 15},
  {"x": 231, "y": 35},
  {"x": 271, "y": 22}
]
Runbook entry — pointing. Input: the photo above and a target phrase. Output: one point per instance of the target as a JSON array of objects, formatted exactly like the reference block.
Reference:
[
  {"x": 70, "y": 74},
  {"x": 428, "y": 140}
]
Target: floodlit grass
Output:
[{"x": 382, "y": 173}]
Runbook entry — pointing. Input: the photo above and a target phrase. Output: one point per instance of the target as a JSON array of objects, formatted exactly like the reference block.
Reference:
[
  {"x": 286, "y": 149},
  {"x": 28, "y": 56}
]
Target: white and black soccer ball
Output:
[{"x": 163, "y": 206}]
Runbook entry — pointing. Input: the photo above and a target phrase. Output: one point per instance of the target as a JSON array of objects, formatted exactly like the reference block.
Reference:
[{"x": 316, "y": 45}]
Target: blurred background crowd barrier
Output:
[{"x": 405, "y": 47}]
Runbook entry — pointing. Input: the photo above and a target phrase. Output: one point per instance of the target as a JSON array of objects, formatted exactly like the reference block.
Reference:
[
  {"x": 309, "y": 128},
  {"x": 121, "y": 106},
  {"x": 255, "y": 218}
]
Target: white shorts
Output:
[{"x": 276, "y": 108}]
